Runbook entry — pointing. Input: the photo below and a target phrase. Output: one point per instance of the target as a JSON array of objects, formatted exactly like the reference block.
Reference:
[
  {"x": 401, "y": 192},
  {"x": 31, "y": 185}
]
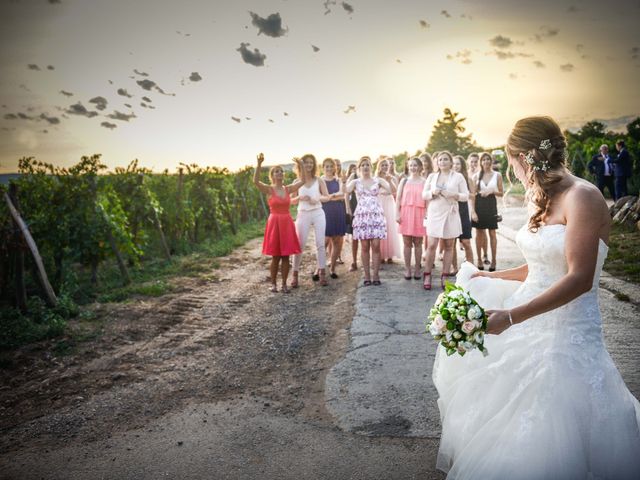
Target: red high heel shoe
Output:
[{"x": 426, "y": 284}]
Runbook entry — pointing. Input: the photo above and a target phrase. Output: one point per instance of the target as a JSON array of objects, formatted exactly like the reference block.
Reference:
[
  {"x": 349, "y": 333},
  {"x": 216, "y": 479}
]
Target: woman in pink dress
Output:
[
  {"x": 410, "y": 210},
  {"x": 390, "y": 246},
  {"x": 368, "y": 223},
  {"x": 443, "y": 189},
  {"x": 280, "y": 238}
]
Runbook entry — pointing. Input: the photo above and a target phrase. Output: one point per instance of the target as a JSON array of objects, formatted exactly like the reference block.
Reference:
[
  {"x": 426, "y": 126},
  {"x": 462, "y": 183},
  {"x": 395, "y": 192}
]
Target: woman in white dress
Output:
[{"x": 548, "y": 401}]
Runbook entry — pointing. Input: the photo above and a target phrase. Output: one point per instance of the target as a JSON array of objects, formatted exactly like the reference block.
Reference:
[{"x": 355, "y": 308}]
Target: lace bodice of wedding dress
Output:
[{"x": 548, "y": 401}]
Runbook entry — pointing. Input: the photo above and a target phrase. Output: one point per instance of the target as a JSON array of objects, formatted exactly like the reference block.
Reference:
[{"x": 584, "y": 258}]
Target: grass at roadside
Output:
[
  {"x": 623, "y": 260},
  {"x": 152, "y": 278}
]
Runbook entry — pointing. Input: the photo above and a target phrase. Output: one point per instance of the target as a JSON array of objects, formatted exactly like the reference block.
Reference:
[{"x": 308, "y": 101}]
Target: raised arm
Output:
[
  {"x": 351, "y": 183},
  {"x": 295, "y": 186},
  {"x": 384, "y": 184},
  {"x": 263, "y": 187},
  {"x": 586, "y": 215}
]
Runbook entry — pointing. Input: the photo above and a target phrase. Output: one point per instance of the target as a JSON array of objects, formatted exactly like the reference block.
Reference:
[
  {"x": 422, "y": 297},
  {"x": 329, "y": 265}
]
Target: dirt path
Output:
[{"x": 216, "y": 337}]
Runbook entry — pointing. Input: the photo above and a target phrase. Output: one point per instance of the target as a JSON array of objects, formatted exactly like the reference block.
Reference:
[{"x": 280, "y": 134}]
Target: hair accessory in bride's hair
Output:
[{"x": 531, "y": 159}]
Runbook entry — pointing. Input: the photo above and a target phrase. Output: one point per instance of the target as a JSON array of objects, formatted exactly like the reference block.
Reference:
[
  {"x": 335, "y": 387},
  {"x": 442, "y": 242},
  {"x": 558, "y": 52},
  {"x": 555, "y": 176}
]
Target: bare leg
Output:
[
  {"x": 432, "y": 246},
  {"x": 335, "y": 251},
  {"x": 481, "y": 242},
  {"x": 468, "y": 251},
  {"x": 408, "y": 244},
  {"x": 447, "y": 255},
  {"x": 274, "y": 272},
  {"x": 375, "y": 247},
  {"x": 284, "y": 269},
  {"x": 417, "y": 253},
  {"x": 354, "y": 253},
  {"x": 365, "y": 255},
  {"x": 494, "y": 247},
  {"x": 454, "y": 260}
]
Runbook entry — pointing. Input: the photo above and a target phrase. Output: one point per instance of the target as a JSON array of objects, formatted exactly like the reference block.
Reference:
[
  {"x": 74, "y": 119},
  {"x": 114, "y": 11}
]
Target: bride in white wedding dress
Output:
[{"x": 548, "y": 401}]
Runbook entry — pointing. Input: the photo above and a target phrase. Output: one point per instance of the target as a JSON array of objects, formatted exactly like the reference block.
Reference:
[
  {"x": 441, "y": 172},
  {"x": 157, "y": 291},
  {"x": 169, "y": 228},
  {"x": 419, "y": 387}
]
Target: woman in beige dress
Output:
[{"x": 443, "y": 189}]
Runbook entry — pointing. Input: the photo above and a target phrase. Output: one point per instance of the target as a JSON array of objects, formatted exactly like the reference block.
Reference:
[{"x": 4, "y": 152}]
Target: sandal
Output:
[
  {"x": 353, "y": 268},
  {"x": 294, "y": 280},
  {"x": 426, "y": 284},
  {"x": 480, "y": 267},
  {"x": 285, "y": 289},
  {"x": 274, "y": 288},
  {"x": 408, "y": 277},
  {"x": 315, "y": 276},
  {"x": 492, "y": 268},
  {"x": 377, "y": 282},
  {"x": 367, "y": 283}
]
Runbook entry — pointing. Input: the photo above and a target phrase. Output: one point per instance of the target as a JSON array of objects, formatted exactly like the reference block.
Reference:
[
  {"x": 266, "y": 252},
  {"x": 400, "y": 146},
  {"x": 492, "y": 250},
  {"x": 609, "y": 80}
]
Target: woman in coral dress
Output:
[
  {"x": 280, "y": 237},
  {"x": 410, "y": 210}
]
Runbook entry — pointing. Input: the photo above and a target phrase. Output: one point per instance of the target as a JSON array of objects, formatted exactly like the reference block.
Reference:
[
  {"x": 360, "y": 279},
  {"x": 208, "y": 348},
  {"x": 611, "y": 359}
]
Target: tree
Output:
[
  {"x": 447, "y": 135},
  {"x": 633, "y": 129},
  {"x": 592, "y": 129}
]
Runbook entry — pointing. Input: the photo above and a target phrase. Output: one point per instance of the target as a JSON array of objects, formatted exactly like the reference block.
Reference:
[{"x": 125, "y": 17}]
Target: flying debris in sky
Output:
[
  {"x": 247, "y": 118},
  {"x": 33, "y": 66},
  {"x": 348, "y": 8},
  {"x": 270, "y": 26},
  {"x": 236, "y": 119},
  {"x": 142, "y": 74},
  {"x": 254, "y": 58},
  {"x": 315, "y": 49},
  {"x": 424, "y": 24},
  {"x": 109, "y": 125},
  {"x": 123, "y": 92},
  {"x": 271, "y": 120},
  {"x": 398, "y": 60},
  {"x": 350, "y": 108},
  {"x": 66, "y": 94},
  {"x": 195, "y": 77},
  {"x": 286, "y": 114},
  {"x": 445, "y": 13}
]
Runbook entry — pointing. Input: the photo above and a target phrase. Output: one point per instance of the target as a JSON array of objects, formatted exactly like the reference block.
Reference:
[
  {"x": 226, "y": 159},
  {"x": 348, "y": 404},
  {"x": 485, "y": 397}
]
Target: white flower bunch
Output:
[{"x": 457, "y": 321}]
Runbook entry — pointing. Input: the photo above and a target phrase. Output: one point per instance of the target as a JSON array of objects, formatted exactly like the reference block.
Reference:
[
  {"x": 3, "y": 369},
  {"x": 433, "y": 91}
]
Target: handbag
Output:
[{"x": 498, "y": 217}]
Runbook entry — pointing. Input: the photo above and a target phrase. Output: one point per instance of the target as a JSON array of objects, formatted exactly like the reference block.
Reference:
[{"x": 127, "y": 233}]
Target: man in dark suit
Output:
[
  {"x": 621, "y": 170},
  {"x": 601, "y": 167}
]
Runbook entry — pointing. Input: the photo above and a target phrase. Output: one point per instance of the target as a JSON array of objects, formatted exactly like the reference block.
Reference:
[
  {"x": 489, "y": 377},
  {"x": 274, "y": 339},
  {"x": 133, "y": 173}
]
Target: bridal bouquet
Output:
[{"x": 457, "y": 321}]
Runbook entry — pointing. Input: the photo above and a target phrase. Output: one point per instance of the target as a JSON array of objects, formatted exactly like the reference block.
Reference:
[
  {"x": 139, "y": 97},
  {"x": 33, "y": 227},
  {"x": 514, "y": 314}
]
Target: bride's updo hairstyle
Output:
[{"x": 540, "y": 141}]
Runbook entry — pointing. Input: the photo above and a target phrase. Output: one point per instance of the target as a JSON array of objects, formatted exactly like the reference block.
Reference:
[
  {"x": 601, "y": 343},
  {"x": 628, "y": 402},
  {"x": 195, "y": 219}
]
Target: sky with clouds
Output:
[{"x": 214, "y": 82}]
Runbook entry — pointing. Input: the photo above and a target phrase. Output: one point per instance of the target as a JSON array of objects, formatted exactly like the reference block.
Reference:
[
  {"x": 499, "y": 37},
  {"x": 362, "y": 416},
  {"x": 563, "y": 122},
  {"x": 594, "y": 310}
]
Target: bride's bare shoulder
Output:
[{"x": 585, "y": 203}]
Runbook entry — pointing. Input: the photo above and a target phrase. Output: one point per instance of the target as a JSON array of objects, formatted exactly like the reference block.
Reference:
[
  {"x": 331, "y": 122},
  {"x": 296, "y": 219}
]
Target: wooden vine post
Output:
[{"x": 50, "y": 296}]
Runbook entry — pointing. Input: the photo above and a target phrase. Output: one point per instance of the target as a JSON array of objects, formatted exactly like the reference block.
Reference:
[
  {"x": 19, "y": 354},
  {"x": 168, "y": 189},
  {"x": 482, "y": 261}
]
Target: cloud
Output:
[
  {"x": 567, "y": 67},
  {"x": 100, "y": 102},
  {"x": 538, "y": 64},
  {"x": 445, "y": 13},
  {"x": 347, "y": 8},
  {"x": 254, "y": 58},
  {"x": 123, "y": 92},
  {"x": 146, "y": 99},
  {"x": 236, "y": 119},
  {"x": 315, "y": 49},
  {"x": 33, "y": 66},
  {"x": 51, "y": 120},
  {"x": 147, "y": 84},
  {"x": 501, "y": 42},
  {"x": 142, "y": 74},
  {"x": 116, "y": 115},
  {"x": 79, "y": 109},
  {"x": 109, "y": 125},
  {"x": 270, "y": 26},
  {"x": 350, "y": 108},
  {"x": 195, "y": 77},
  {"x": 509, "y": 55},
  {"x": 424, "y": 24},
  {"x": 464, "y": 56},
  {"x": 546, "y": 32}
]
